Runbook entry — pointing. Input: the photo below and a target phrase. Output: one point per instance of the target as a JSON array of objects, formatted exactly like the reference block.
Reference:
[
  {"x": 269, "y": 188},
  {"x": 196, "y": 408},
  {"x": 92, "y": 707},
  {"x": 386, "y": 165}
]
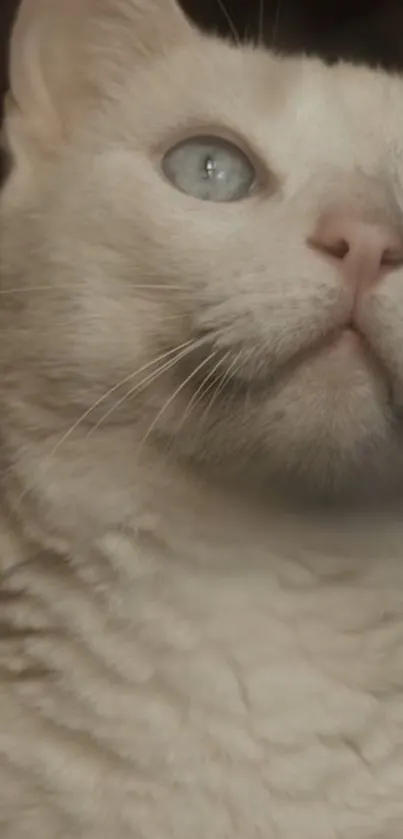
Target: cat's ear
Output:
[{"x": 64, "y": 53}]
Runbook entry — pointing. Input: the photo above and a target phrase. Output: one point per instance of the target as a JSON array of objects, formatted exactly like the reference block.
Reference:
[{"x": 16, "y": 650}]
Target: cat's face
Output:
[{"x": 222, "y": 234}]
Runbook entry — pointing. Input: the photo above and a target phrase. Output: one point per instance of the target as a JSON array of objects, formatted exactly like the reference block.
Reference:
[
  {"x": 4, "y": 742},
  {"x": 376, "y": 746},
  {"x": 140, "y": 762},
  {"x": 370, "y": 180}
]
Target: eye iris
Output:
[{"x": 210, "y": 169}]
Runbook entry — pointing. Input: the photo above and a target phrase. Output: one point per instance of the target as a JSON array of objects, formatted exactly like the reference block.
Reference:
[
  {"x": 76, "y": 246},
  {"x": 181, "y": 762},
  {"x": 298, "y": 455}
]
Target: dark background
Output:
[
  {"x": 368, "y": 30},
  {"x": 7, "y": 11},
  {"x": 362, "y": 30}
]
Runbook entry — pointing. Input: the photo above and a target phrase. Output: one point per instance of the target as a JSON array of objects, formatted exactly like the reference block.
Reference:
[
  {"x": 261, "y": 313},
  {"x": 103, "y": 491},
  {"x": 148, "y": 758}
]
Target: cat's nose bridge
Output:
[{"x": 363, "y": 249}]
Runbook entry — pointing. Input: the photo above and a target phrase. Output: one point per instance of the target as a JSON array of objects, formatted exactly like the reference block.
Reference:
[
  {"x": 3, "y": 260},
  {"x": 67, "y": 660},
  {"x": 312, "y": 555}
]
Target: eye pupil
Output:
[{"x": 210, "y": 169}]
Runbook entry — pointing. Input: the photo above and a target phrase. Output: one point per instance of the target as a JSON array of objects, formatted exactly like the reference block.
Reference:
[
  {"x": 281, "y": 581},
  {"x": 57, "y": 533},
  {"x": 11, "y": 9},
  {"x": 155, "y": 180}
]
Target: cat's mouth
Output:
[
  {"x": 353, "y": 339},
  {"x": 240, "y": 372}
]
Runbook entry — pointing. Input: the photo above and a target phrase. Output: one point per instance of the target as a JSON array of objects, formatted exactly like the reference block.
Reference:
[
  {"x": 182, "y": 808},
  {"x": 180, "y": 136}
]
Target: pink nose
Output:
[{"x": 363, "y": 250}]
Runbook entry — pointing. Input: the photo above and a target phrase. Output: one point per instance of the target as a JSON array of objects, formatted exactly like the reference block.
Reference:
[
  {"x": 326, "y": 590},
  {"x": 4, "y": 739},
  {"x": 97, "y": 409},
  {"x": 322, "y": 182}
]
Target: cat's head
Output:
[{"x": 206, "y": 242}]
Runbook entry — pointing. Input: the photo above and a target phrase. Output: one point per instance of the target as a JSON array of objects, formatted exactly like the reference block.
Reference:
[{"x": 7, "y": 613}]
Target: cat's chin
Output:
[
  {"x": 341, "y": 363},
  {"x": 324, "y": 429},
  {"x": 333, "y": 417}
]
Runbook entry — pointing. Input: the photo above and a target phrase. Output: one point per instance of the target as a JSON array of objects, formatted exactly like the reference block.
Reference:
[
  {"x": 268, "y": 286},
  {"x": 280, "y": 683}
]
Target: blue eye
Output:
[{"x": 210, "y": 168}]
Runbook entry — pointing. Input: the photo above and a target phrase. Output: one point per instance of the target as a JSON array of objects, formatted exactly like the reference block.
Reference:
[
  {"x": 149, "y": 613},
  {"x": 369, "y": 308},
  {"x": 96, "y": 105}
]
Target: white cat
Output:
[{"x": 201, "y": 423}]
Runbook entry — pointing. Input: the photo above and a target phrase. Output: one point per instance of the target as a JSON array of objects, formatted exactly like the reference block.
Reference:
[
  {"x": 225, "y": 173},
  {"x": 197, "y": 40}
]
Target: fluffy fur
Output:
[{"x": 201, "y": 625}]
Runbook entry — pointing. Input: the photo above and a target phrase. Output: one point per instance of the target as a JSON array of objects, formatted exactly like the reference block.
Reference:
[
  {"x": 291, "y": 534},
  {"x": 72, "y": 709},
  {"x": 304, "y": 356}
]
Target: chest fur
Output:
[{"x": 193, "y": 703}]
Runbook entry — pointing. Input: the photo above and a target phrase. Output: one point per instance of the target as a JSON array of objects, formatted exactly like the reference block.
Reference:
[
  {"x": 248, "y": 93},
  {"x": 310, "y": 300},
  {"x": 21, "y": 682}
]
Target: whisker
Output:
[
  {"x": 276, "y": 23},
  {"x": 135, "y": 286},
  {"x": 261, "y": 20},
  {"x": 221, "y": 385},
  {"x": 147, "y": 381},
  {"x": 173, "y": 397},
  {"x": 173, "y": 355},
  {"x": 200, "y": 393},
  {"x": 25, "y": 289},
  {"x": 228, "y": 18},
  {"x": 46, "y": 460}
]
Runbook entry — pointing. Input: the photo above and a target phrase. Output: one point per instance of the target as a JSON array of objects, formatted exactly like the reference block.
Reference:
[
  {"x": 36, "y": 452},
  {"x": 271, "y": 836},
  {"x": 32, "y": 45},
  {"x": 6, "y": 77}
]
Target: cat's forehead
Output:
[
  {"x": 349, "y": 114},
  {"x": 345, "y": 117}
]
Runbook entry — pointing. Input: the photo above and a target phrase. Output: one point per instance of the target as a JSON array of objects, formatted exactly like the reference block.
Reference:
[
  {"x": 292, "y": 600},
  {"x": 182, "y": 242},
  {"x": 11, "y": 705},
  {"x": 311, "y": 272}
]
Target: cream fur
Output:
[{"x": 201, "y": 611}]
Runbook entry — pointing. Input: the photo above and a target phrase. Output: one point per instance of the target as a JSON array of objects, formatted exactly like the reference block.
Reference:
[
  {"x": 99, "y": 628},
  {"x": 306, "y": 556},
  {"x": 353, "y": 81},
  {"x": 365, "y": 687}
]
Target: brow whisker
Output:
[
  {"x": 276, "y": 23},
  {"x": 228, "y": 18},
  {"x": 261, "y": 11}
]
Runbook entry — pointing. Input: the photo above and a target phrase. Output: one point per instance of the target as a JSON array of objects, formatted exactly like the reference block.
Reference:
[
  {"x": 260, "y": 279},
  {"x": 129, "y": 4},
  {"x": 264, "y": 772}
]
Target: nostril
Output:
[
  {"x": 337, "y": 248},
  {"x": 359, "y": 242},
  {"x": 392, "y": 257}
]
